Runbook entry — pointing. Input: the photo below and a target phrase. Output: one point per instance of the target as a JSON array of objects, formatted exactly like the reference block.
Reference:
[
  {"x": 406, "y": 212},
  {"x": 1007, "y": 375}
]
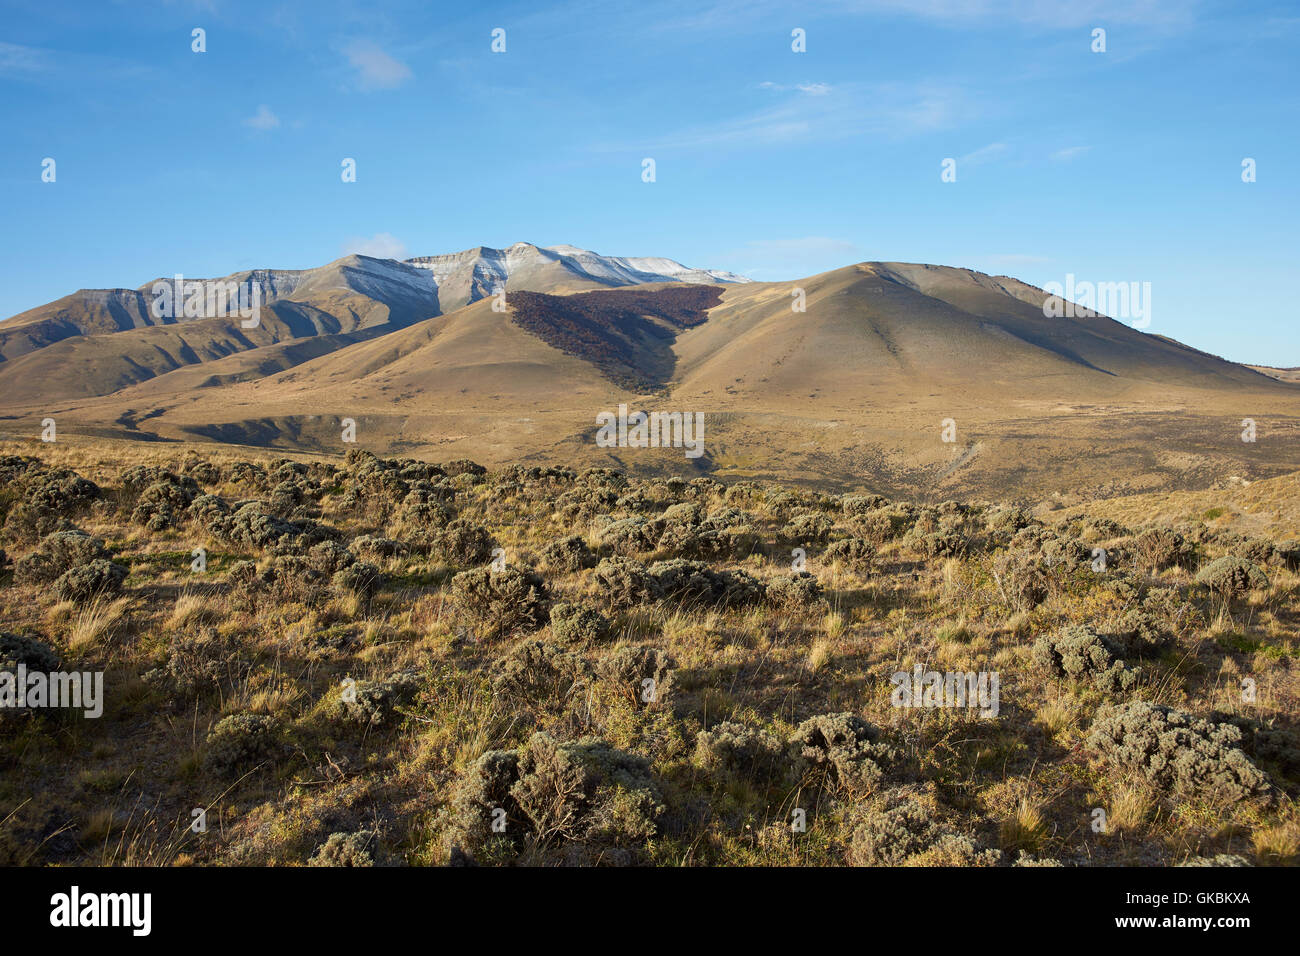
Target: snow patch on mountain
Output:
[
  {"x": 429, "y": 283},
  {"x": 492, "y": 267}
]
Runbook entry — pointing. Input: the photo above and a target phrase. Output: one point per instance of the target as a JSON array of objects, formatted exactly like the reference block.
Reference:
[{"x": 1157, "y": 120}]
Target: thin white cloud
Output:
[
  {"x": 15, "y": 58},
  {"x": 263, "y": 119},
  {"x": 891, "y": 110},
  {"x": 376, "y": 70},
  {"x": 984, "y": 154},
  {"x": 1064, "y": 155},
  {"x": 382, "y": 245},
  {"x": 1278, "y": 26},
  {"x": 811, "y": 89},
  {"x": 678, "y": 15}
]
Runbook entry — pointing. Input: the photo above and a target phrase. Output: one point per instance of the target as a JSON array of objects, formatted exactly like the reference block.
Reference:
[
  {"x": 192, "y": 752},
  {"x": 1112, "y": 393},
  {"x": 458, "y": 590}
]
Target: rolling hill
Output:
[
  {"x": 860, "y": 389},
  {"x": 98, "y": 341}
]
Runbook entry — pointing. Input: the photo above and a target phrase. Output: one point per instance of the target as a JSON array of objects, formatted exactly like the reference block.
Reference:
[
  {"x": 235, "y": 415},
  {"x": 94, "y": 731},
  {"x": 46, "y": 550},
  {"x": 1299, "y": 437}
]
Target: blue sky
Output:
[{"x": 1115, "y": 166}]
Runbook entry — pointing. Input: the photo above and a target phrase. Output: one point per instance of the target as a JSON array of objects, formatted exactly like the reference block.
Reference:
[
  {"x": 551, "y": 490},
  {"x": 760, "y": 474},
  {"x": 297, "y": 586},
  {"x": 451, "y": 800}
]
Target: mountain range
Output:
[{"x": 903, "y": 377}]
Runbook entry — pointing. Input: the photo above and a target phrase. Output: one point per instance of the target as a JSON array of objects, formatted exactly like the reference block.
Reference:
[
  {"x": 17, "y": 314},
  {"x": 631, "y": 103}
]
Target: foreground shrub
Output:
[
  {"x": 694, "y": 582},
  {"x": 856, "y": 506},
  {"x": 239, "y": 742},
  {"x": 1288, "y": 554},
  {"x": 345, "y": 849},
  {"x": 58, "y": 553},
  {"x": 1139, "y": 632},
  {"x": 540, "y": 674},
  {"x": 1232, "y": 577},
  {"x": 211, "y": 512},
  {"x": 1265, "y": 741},
  {"x": 794, "y": 592},
  {"x": 1161, "y": 548},
  {"x": 330, "y": 557},
  {"x": 422, "y": 519},
  {"x": 163, "y": 504},
  {"x": 577, "y": 624},
  {"x": 1069, "y": 553},
  {"x": 1005, "y": 522},
  {"x": 807, "y": 529},
  {"x": 204, "y": 662},
  {"x": 20, "y": 650},
  {"x": 569, "y": 554},
  {"x": 901, "y": 830},
  {"x": 1219, "y": 859},
  {"x": 1101, "y": 529},
  {"x": 938, "y": 542},
  {"x": 625, "y": 582},
  {"x": 249, "y": 526},
  {"x": 744, "y": 752},
  {"x": 61, "y": 490},
  {"x": 27, "y": 522},
  {"x": 1176, "y": 751},
  {"x": 35, "y": 655},
  {"x": 374, "y": 704},
  {"x": 374, "y": 548},
  {"x": 857, "y": 553},
  {"x": 628, "y": 536},
  {"x": 548, "y": 794},
  {"x": 681, "y": 530},
  {"x": 505, "y": 602},
  {"x": 463, "y": 542},
  {"x": 643, "y": 672},
  {"x": 842, "y": 750},
  {"x": 89, "y": 581},
  {"x": 1076, "y": 652},
  {"x": 1023, "y": 580},
  {"x": 360, "y": 578},
  {"x": 286, "y": 577}
]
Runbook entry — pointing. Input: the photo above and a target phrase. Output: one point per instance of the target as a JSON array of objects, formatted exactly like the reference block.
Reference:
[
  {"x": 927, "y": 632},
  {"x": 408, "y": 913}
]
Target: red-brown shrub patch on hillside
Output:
[{"x": 626, "y": 333}]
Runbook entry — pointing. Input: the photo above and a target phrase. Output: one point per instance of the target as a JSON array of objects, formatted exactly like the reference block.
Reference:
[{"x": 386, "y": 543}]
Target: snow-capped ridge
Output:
[
  {"x": 491, "y": 267},
  {"x": 422, "y": 286}
]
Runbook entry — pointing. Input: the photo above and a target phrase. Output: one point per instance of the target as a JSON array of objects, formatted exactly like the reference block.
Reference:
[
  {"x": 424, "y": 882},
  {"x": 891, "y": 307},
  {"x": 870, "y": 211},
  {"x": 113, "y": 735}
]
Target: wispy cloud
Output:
[
  {"x": 382, "y": 245},
  {"x": 811, "y": 89},
  {"x": 884, "y": 109},
  {"x": 376, "y": 70},
  {"x": 984, "y": 154},
  {"x": 15, "y": 58},
  {"x": 263, "y": 119},
  {"x": 1069, "y": 153},
  {"x": 674, "y": 15},
  {"x": 1278, "y": 26}
]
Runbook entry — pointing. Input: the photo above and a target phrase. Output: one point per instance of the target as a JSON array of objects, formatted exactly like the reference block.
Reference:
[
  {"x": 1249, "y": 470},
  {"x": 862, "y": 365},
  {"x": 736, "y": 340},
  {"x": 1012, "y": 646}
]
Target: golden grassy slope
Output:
[
  {"x": 1269, "y": 506},
  {"x": 120, "y": 791},
  {"x": 851, "y": 393}
]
